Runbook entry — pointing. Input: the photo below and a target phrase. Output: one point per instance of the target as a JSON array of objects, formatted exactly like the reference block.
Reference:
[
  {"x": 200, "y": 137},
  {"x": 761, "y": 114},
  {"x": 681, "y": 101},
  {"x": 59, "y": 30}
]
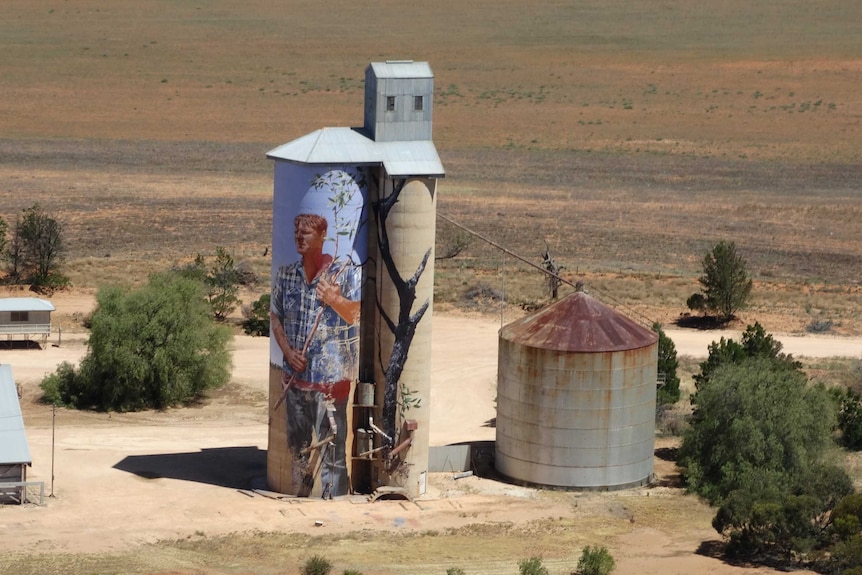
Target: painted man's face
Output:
[{"x": 308, "y": 240}]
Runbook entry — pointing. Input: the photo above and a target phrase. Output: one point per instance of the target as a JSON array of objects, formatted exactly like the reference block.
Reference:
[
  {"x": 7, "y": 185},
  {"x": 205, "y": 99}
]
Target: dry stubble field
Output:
[{"x": 629, "y": 138}]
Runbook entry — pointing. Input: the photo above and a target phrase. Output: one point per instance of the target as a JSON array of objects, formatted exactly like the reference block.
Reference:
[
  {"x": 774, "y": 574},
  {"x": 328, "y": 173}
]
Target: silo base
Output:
[{"x": 631, "y": 485}]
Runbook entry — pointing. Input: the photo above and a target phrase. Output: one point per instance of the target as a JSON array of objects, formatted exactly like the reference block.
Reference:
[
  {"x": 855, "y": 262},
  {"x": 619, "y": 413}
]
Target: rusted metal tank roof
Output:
[{"x": 578, "y": 323}]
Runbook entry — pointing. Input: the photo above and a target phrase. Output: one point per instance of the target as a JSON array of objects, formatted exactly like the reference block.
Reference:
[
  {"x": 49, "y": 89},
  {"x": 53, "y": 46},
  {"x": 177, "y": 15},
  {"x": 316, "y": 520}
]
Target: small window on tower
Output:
[
  {"x": 418, "y": 103},
  {"x": 390, "y": 103}
]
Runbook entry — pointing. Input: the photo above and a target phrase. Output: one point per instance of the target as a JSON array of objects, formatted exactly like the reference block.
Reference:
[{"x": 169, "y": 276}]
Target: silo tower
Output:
[{"x": 354, "y": 213}]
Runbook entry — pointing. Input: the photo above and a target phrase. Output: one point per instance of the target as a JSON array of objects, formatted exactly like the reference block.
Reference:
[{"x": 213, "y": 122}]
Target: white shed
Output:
[
  {"x": 14, "y": 451},
  {"x": 23, "y": 317}
]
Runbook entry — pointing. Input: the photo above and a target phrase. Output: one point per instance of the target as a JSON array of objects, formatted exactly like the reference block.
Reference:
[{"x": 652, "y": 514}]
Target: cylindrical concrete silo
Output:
[{"x": 576, "y": 397}]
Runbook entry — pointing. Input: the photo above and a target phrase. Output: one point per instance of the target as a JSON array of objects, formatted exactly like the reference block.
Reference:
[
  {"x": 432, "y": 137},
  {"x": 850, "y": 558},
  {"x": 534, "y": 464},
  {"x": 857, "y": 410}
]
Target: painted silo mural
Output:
[
  {"x": 318, "y": 251},
  {"x": 353, "y": 242}
]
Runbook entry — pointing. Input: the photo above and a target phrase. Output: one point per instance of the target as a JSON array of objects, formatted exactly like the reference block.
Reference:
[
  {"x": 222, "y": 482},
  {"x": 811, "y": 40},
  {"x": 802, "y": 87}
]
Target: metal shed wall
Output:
[{"x": 404, "y": 81}]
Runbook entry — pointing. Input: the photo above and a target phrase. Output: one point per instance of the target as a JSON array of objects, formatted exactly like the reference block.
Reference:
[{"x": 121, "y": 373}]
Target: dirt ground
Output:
[{"x": 120, "y": 481}]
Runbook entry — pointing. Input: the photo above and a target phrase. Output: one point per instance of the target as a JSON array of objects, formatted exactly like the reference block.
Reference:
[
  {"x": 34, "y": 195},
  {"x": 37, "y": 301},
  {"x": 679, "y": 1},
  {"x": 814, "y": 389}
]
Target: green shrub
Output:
[
  {"x": 351, "y": 572},
  {"x": 532, "y": 566},
  {"x": 152, "y": 347},
  {"x": 316, "y": 565},
  {"x": 257, "y": 316},
  {"x": 595, "y": 561},
  {"x": 455, "y": 571}
]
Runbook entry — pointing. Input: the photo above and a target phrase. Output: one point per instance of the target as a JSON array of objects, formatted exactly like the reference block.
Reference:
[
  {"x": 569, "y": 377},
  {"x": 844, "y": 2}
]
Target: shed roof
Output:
[
  {"x": 25, "y": 304},
  {"x": 13, "y": 439},
  {"x": 350, "y": 146},
  {"x": 401, "y": 69},
  {"x": 579, "y": 323}
]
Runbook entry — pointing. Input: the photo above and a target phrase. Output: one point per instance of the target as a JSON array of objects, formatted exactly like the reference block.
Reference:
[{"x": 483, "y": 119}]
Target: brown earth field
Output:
[{"x": 627, "y": 138}]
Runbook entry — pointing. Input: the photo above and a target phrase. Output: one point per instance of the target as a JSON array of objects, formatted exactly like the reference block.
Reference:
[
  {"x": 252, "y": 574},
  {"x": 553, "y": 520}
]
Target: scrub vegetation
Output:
[{"x": 627, "y": 140}]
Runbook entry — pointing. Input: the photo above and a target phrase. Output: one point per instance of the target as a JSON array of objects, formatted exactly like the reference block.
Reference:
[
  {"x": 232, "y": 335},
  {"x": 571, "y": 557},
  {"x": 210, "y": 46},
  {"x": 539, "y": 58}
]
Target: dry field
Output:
[{"x": 627, "y": 137}]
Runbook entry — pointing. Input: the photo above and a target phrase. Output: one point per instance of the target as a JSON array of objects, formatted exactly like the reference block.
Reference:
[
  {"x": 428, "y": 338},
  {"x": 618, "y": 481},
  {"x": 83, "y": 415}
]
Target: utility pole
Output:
[{"x": 53, "y": 427}]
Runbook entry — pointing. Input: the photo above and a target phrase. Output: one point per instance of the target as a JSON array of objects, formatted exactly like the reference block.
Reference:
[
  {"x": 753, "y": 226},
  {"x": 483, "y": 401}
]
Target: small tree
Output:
[
  {"x": 532, "y": 566},
  {"x": 36, "y": 249},
  {"x": 3, "y": 228},
  {"x": 223, "y": 285},
  {"x": 316, "y": 565},
  {"x": 153, "y": 347},
  {"x": 725, "y": 283},
  {"x": 13, "y": 255},
  {"x": 257, "y": 316},
  {"x": 667, "y": 366},
  {"x": 221, "y": 280},
  {"x": 595, "y": 561}
]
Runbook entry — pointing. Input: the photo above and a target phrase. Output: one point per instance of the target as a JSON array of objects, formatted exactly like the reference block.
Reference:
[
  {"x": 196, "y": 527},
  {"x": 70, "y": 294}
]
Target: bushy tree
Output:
[
  {"x": 595, "y": 561},
  {"x": 667, "y": 366},
  {"x": 850, "y": 419},
  {"x": 36, "y": 250},
  {"x": 759, "y": 449},
  {"x": 257, "y": 316},
  {"x": 725, "y": 283},
  {"x": 755, "y": 342},
  {"x": 532, "y": 566},
  {"x": 3, "y": 227},
  {"x": 152, "y": 347}
]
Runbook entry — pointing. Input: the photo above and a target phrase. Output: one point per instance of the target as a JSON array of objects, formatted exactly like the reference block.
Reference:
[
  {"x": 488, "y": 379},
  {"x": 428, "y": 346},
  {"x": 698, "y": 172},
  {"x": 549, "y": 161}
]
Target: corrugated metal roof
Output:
[
  {"x": 578, "y": 323},
  {"x": 13, "y": 439},
  {"x": 350, "y": 146},
  {"x": 25, "y": 304},
  {"x": 402, "y": 69}
]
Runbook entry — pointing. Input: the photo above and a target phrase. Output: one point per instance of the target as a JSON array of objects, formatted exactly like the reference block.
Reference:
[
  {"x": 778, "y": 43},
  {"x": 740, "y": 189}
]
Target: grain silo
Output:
[
  {"x": 576, "y": 397},
  {"x": 352, "y": 293}
]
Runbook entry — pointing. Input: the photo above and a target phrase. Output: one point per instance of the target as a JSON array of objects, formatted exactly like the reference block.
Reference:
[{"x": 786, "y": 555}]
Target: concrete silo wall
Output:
[
  {"x": 576, "y": 420},
  {"x": 405, "y": 290},
  {"x": 310, "y": 429}
]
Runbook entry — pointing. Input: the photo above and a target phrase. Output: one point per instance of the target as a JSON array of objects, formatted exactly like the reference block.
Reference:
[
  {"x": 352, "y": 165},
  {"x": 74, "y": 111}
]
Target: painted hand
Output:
[
  {"x": 327, "y": 292},
  {"x": 295, "y": 359}
]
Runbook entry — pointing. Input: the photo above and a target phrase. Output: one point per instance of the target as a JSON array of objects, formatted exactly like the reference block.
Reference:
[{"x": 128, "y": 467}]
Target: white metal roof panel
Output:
[
  {"x": 402, "y": 69},
  {"x": 349, "y": 146},
  {"x": 13, "y": 439},
  {"x": 25, "y": 304}
]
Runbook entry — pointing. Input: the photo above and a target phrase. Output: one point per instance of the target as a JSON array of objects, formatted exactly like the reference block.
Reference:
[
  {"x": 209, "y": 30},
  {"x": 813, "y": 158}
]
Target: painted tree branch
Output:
[{"x": 405, "y": 327}]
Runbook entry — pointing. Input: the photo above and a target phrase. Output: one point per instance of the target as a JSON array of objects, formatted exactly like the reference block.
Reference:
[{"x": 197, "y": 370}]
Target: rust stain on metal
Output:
[{"x": 578, "y": 323}]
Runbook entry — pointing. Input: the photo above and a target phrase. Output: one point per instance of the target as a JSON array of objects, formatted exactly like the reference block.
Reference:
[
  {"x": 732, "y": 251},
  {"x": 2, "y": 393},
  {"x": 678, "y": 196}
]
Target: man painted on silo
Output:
[{"x": 315, "y": 314}]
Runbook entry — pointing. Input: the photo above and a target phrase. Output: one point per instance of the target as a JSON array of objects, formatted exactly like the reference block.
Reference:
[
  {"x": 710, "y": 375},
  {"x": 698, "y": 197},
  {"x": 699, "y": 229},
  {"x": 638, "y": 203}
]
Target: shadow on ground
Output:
[
  {"x": 233, "y": 467},
  {"x": 13, "y": 345},
  {"x": 700, "y": 322}
]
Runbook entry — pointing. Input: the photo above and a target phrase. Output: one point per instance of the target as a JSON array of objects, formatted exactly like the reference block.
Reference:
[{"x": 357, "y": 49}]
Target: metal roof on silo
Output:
[
  {"x": 13, "y": 439},
  {"x": 350, "y": 146},
  {"x": 579, "y": 323},
  {"x": 402, "y": 69}
]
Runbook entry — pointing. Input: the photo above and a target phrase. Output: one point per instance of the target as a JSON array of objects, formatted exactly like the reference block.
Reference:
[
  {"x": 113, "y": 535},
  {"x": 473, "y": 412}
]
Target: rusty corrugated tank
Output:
[{"x": 576, "y": 392}]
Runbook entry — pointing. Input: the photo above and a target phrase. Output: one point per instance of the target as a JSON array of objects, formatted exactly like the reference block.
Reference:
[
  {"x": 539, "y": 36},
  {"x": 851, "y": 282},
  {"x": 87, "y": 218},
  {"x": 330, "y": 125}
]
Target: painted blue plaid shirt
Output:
[{"x": 332, "y": 353}]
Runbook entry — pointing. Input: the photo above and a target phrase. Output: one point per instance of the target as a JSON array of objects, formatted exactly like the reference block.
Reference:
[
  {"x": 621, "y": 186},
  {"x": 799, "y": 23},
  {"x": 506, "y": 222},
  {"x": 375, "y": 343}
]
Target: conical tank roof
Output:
[{"x": 578, "y": 323}]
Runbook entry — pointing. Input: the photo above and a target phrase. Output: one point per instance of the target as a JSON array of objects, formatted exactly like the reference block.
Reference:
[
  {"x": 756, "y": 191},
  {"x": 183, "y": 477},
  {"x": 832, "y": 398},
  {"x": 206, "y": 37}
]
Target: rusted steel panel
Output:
[
  {"x": 578, "y": 419},
  {"x": 578, "y": 323}
]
